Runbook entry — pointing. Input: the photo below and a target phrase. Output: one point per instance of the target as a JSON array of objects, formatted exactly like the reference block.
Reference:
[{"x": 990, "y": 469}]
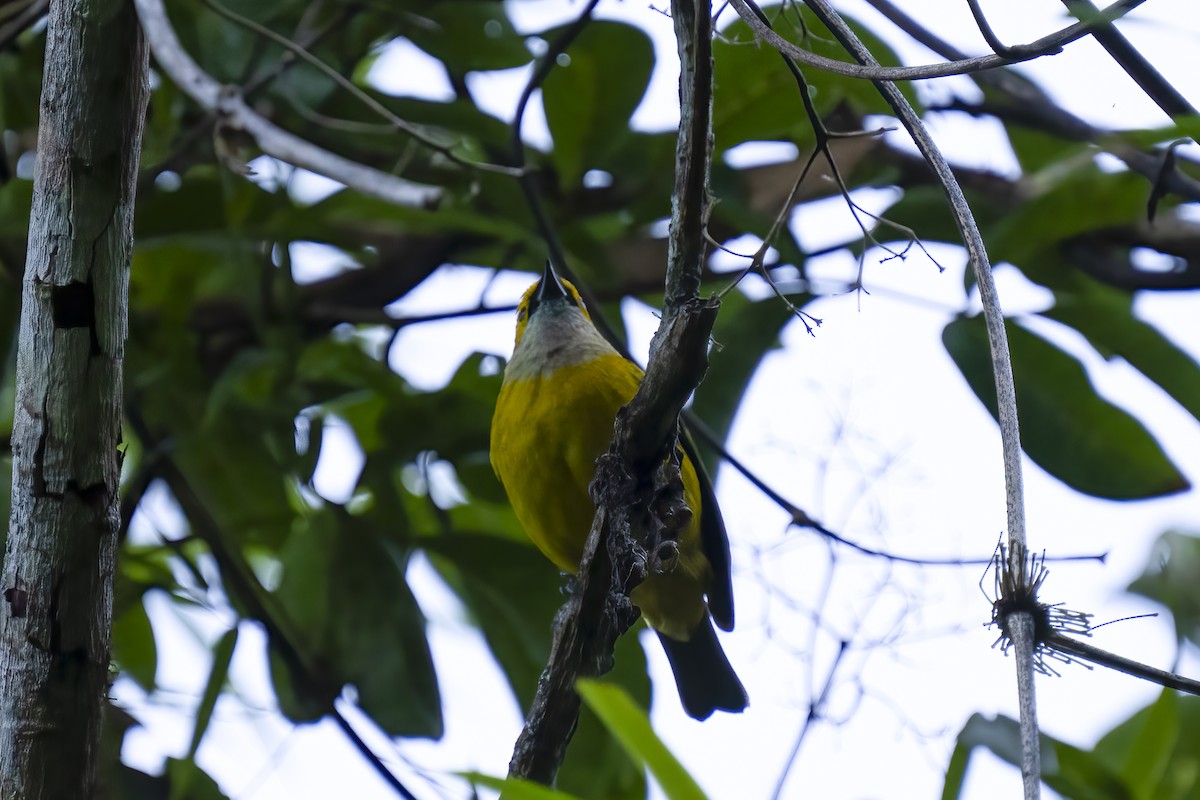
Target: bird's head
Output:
[{"x": 550, "y": 296}]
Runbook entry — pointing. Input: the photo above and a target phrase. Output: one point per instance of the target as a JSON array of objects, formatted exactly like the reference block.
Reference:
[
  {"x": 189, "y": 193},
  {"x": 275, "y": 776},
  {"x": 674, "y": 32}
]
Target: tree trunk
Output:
[{"x": 61, "y": 552}]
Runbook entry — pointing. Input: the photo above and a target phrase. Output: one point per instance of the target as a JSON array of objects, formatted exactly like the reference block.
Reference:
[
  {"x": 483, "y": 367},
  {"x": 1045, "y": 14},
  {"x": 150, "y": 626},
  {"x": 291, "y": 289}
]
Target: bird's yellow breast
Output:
[{"x": 547, "y": 432}]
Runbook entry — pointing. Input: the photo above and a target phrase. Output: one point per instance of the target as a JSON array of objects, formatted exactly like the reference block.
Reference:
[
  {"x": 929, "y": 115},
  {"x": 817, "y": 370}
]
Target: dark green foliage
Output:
[
  {"x": 236, "y": 374},
  {"x": 1170, "y": 578},
  {"x": 1153, "y": 754},
  {"x": 1069, "y": 430}
]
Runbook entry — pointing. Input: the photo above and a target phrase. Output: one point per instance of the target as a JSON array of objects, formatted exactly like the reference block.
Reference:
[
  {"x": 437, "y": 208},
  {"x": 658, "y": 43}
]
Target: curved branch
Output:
[
  {"x": 1006, "y": 396},
  {"x": 1047, "y": 45},
  {"x": 274, "y": 141}
]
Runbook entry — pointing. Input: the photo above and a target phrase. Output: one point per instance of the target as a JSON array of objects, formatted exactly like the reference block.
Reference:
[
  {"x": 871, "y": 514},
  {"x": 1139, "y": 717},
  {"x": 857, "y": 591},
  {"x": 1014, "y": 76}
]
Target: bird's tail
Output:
[{"x": 703, "y": 675}]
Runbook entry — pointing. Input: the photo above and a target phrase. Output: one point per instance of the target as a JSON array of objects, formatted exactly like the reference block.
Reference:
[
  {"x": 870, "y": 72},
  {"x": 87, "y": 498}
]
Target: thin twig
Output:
[
  {"x": 370, "y": 755},
  {"x": 1087, "y": 652},
  {"x": 990, "y": 36},
  {"x": 814, "y": 713},
  {"x": 802, "y": 519},
  {"x": 1036, "y": 49},
  {"x": 272, "y": 140}
]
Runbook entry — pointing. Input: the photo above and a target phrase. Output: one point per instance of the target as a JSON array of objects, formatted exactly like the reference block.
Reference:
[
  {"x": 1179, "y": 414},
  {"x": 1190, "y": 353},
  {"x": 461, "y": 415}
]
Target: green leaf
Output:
[
  {"x": 1182, "y": 127},
  {"x": 1075, "y": 774},
  {"x": 1142, "y": 748},
  {"x": 1037, "y": 150},
  {"x": 134, "y": 649},
  {"x": 189, "y": 782},
  {"x": 467, "y": 35},
  {"x": 222, "y": 656},
  {"x": 1170, "y": 578},
  {"x": 1158, "y": 748},
  {"x": 1071, "y": 198},
  {"x": 513, "y": 591},
  {"x": 589, "y": 100},
  {"x": 631, "y": 727},
  {"x": 356, "y": 622},
  {"x": 518, "y": 789},
  {"x": 1105, "y": 316},
  {"x": 1066, "y": 428},
  {"x": 597, "y": 764},
  {"x": 755, "y": 96}
]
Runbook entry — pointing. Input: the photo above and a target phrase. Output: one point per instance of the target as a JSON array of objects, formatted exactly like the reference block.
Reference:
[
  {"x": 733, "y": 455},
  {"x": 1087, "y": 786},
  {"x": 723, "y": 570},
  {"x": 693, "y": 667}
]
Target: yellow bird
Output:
[{"x": 554, "y": 417}]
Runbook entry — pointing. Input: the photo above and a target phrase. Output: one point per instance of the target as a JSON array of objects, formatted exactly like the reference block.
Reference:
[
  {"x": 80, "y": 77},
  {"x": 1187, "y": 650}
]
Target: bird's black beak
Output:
[{"x": 550, "y": 287}]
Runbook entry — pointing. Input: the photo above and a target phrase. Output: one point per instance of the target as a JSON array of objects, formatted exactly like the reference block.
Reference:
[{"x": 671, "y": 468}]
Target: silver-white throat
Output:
[{"x": 557, "y": 335}]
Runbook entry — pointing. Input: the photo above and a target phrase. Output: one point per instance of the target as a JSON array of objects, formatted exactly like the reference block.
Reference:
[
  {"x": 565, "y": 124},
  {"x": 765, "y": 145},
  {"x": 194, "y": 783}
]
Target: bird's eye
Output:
[{"x": 522, "y": 313}]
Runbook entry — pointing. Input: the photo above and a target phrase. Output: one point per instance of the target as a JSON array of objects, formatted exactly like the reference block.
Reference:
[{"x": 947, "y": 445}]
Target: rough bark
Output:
[
  {"x": 61, "y": 550},
  {"x": 624, "y": 530}
]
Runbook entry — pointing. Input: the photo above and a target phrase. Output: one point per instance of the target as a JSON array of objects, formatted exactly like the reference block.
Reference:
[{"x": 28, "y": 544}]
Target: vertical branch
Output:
[
  {"x": 61, "y": 551},
  {"x": 1006, "y": 395},
  {"x": 693, "y": 151},
  {"x": 615, "y": 556}
]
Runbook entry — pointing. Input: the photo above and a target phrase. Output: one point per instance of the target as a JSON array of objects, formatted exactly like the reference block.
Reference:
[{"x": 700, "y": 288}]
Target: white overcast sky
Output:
[{"x": 867, "y": 425}]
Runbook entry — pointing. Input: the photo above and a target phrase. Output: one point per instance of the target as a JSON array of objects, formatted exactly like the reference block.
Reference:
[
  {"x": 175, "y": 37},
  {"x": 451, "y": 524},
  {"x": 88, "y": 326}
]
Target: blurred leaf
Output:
[
  {"x": 1066, "y": 428},
  {"x": 1158, "y": 748},
  {"x": 1037, "y": 150},
  {"x": 512, "y": 591},
  {"x": 196, "y": 783},
  {"x": 591, "y": 94},
  {"x": 250, "y": 503},
  {"x": 1073, "y": 773},
  {"x": 5, "y": 497},
  {"x": 314, "y": 437},
  {"x": 1181, "y": 127},
  {"x": 468, "y": 35},
  {"x": 16, "y": 199},
  {"x": 1142, "y": 747},
  {"x": 757, "y": 99},
  {"x": 631, "y": 727},
  {"x": 517, "y": 789},
  {"x": 134, "y": 649},
  {"x": 597, "y": 764},
  {"x": 1170, "y": 578},
  {"x": 222, "y": 656},
  {"x": 355, "y": 620},
  {"x": 1105, "y": 316},
  {"x": 455, "y": 421},
  {"x": 20, "y": 75},
  {"x": 1072, "y": 198}
]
